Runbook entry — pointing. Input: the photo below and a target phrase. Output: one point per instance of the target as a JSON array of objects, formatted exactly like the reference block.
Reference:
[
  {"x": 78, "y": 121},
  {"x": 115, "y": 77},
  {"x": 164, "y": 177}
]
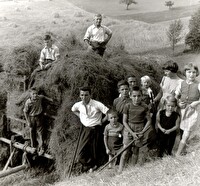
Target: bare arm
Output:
[
  {"x": 125, "y": 123},
  {"x": 106, "y": 143},
  {"x": 158, "y": 122}
]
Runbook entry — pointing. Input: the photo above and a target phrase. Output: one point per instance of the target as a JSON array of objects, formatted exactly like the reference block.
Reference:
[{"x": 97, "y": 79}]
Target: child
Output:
[
  {"x": 188, "y": 93},
  {"x": 168, "y": 122},
  {"x": 113, "y": 135},
  {"x": 132, "y": 81},
  {"x": 135, "y": 114},
  {"x": 148, "y": 96},
  {"x": 49, "y": 54},
  {"x": 33, "y": 115},
  {"x": 120, "y": 102},
  {"x": 168, "y": 83}
]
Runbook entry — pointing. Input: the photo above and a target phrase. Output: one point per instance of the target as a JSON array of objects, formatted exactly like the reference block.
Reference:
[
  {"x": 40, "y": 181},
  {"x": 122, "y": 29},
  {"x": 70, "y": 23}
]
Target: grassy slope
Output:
[
  {"x": 40, "y": 18},
  {"x": 143, "y": 6}
]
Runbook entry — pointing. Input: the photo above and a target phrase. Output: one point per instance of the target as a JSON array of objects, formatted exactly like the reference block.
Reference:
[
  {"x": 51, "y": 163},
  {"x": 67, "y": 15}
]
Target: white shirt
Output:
[
  {"x": 49, "y": 53},
  {"x": 93, "y": 115},
  {"x": 94, "y": 33}
]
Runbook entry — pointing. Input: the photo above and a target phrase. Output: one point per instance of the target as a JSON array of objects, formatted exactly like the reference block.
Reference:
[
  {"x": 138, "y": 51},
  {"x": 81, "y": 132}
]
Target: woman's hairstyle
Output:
[
  {"x": 170, "y": 98},
  {"x": 170, "y": 65},
  {"x": 122, "y": 82},
  {"x": 145, "y": 78},
  {"x": 191, "y": 66}
]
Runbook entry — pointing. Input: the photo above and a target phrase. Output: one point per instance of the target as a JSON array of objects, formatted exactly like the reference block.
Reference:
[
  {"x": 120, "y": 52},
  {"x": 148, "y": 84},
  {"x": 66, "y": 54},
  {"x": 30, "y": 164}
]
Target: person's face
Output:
[
  {"x": 113, "y": 118},
  {"x": 170, "y": 106},
  {"x": 132, "y": 81},
  {"x": 85, "y": 96},
  {"x": 48, "y": 43},
  {"x": 34, "y": 95},
  {"x": 124, "y": 90},
  {"x": 191, "y": 74},
  {"x": 146, "y": 84},
  {"x": 97, "y": 21},
  {"x": 168, "y": 73},
  {"x": 136, "y": 97}
]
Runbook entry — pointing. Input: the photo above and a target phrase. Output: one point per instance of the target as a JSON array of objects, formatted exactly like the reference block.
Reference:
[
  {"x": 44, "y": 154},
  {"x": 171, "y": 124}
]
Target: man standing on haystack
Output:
[
  {"x": 90, "y": 113},
  {"x": 97, "y": 36}
]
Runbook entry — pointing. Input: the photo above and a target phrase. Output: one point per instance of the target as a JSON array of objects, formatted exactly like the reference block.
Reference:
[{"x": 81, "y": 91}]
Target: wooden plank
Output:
[
  {"x": 25, "y": 148},
  {"x": 12, "y": 170}
]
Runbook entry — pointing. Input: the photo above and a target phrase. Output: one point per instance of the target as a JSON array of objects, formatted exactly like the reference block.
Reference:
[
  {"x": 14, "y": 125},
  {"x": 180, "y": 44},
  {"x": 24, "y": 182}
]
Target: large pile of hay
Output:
[{"x": 62, "y": 81}]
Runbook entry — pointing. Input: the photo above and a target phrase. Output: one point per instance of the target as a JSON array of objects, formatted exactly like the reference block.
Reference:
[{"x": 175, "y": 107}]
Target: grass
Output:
[
  {"x": 143, "y": 6},
  {"x": 166, "y": 15},
  {"x": 132, "y": 35}
]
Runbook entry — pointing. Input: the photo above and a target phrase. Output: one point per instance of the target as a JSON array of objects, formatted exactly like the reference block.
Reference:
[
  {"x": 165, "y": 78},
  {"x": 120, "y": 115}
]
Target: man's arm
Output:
[
  {"x": 47, "y": 98},
  {"x": 27, "y": 118}
]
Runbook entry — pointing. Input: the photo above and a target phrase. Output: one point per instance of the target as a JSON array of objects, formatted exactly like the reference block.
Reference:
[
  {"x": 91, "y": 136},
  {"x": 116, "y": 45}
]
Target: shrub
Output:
[{"x": 193, "y": 37}]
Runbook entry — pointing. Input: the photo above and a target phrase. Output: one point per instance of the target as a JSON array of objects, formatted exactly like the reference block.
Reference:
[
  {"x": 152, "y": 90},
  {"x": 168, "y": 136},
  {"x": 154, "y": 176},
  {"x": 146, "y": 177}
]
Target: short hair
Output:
[
  {"x": 170, "y": 65},
  {"x": 146, "y": 78},
  {"x": 85, "y": 88},
  {"x": 121, "y": 83},
  {"x": 170, "y": 98},
  {"x": 191, "y": 66},
  {"x": 136, "y": 88},
  {"x": 34, "y": 89},
  {"x": 130, "y": 75},
  {"x": 112, "y": 111},
  {"x": 97, "y": 15},
  {"x": 47, "y": 37}
]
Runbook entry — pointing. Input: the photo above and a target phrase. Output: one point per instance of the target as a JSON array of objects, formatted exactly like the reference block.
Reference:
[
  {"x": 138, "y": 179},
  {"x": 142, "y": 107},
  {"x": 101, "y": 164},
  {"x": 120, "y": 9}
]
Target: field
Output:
[
  {"x": 143, "y": 6},
  {"x": 23, "y": 22}
]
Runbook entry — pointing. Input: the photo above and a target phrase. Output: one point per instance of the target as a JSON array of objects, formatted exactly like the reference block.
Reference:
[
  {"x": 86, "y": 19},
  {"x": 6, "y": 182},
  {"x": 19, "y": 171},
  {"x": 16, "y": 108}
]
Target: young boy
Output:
[
  {"x": 113, "y": 135},
  {"x": 135, "y": 115},
  {"x": 120, "y": 102},
  {"x": 132, "y": 81},
  {"x": 49, "y": 54},
  {"x": 33, "y": 115}
]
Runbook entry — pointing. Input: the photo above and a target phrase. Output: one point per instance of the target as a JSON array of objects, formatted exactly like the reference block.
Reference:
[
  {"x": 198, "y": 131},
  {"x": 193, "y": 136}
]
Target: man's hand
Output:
[
  {"x": 134, "y": 134},
  {"x": 108, "y": 151}
]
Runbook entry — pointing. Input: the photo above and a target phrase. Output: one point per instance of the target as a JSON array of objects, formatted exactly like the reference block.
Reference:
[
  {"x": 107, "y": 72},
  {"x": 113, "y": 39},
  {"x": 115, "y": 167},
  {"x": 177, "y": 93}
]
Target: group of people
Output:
[{"x": 136, "y": 111}]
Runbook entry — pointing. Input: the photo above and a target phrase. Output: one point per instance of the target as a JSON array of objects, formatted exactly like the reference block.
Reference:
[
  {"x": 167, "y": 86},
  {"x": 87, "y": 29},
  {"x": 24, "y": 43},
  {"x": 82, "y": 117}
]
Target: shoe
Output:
[
  {"x": 41, "y": 152},
  {"x": 92, "y": 169}
]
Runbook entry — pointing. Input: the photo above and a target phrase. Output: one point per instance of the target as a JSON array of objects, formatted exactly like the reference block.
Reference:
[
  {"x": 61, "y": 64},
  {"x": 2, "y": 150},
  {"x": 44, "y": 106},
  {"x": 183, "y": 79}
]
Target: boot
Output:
[{"x": 180, "y": 148}]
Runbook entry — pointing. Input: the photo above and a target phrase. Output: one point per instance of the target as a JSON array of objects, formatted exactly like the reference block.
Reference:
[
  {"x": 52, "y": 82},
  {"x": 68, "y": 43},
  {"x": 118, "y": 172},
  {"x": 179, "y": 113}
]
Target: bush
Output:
[{"x": 193, "y": 37}]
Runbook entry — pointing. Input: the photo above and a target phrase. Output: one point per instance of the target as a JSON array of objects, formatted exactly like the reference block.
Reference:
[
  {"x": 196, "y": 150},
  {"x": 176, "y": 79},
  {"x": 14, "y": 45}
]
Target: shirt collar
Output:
[
  {"x": 88, "y": 103},
  {"x": 94, "y": 26}
]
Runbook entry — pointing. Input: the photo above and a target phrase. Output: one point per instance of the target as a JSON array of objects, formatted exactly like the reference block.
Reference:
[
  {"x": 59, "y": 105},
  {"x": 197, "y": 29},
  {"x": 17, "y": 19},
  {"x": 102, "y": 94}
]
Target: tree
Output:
[
  {"x": 193, "y": 37},
  {"x": 128, "y": 2},
  {"x": 174, "y": 33},
  {"x": 169, "y": 4}
]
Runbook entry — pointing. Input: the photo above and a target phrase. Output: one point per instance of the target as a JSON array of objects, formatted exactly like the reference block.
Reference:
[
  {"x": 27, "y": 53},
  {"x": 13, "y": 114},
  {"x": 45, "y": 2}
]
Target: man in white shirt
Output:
[
  {"x": 97, "y": 36},
  {"x": 90, "y": 113}
]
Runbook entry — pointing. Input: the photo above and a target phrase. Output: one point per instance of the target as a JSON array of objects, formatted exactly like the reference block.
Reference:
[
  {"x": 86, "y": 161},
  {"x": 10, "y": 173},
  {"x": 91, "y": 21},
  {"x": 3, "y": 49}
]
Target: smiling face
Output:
[
  {"x": 85, "y": 96},
  {"x": 97, "y": 20},
  {"x": 145, "y": 84},
  {"x": 136, "y": 97},
  {"x": 191, "y": 74}
]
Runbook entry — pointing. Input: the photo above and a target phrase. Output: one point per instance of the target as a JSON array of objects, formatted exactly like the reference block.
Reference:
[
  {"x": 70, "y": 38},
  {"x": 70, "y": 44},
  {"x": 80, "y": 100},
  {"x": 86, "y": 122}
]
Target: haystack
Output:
[{"x": 62, "y": 81}]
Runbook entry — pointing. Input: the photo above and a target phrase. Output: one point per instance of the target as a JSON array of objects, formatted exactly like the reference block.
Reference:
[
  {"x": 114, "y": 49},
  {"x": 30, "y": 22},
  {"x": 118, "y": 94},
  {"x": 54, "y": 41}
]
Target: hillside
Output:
[{"x": 136, "y": 47}]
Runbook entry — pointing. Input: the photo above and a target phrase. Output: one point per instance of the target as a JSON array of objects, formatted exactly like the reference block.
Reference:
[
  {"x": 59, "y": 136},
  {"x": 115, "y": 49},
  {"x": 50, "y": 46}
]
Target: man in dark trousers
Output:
[
  {"x": 90, "y": 113},
  {"x": 97, "y": 36}
]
